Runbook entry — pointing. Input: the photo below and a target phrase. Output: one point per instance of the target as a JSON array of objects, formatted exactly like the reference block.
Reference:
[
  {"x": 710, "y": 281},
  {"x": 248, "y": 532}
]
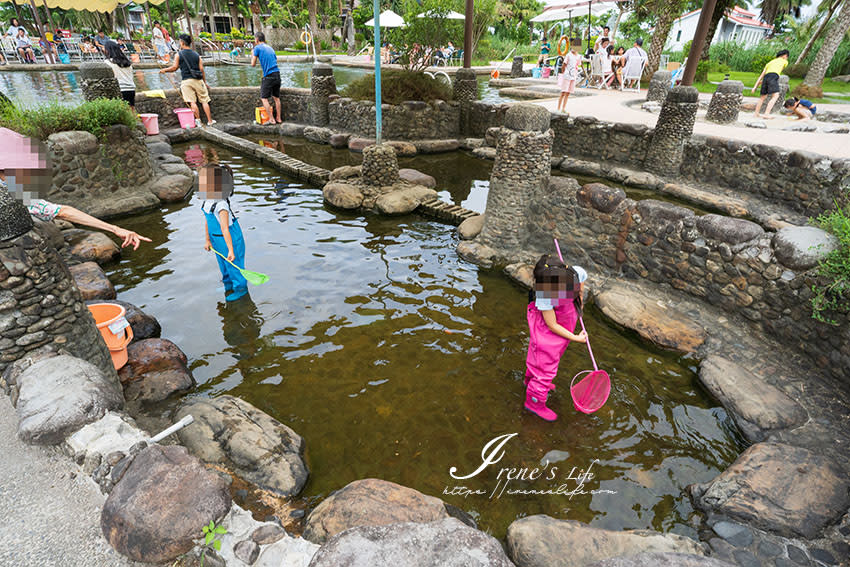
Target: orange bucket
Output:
[
  {"x": 260, "y": 115},
  {"x": 115, "y": 330}
]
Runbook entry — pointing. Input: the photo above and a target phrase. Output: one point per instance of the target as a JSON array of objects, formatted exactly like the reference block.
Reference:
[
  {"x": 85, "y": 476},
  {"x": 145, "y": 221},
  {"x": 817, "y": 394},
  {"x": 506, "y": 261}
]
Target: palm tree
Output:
[
  {"x": 668, "y": 11},
  {"x": 720, "y": 10},
  {"x": 812, "y": 84},
  {"x": 770, "y": 9},
  {"x": 832, "y": 7}
]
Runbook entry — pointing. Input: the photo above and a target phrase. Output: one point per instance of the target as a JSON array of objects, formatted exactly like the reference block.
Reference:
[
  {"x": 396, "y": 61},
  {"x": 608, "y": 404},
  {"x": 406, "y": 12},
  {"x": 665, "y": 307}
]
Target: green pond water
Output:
[{"x": 396, "y": 359}]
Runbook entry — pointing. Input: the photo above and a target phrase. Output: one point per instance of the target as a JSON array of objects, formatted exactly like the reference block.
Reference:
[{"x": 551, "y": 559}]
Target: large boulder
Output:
[
  {"x": 788, "y": 490},
  {"x": 416, "y": 177},
  {"x": 802, "y": 247},
  {"x": 444, "y": 543},
  {"x": 172, "y": 188},
  {"x": 91, "y": 281},
  {"x": 59, "y": 395},
  {"x": 360, "y": 144},
  {"x": 157, "y": 509},
  {"x": 661, "y": 560},
  {"x": 90, "y": 246},
  {"x": 144, "y": 326},
  {"x": 664, "y": 326},
  {"x": 471, "y": 227},
  {"x": 542, "y": 541},
  {"x": 155, "y": 369},
  {"x": 343, "y": 195},
  {"x": 757, "y": 407},
  {"x": 345, "y": 172},
  {"x": 436, "y": 146},
  {"x": 252, "y": 444},
  {"x": 403, "y": 201},
  {"x": 266, "y": 543},
  {"x": 727, "y": 229},
  {"x": 402, "y": 149},
  {"x": 370, "y": 502}
]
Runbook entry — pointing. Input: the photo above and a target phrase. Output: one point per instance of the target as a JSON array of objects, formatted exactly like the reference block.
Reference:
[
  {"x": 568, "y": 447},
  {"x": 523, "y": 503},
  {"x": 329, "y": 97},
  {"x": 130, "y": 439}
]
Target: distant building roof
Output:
[{"x": 737, "y": 15}]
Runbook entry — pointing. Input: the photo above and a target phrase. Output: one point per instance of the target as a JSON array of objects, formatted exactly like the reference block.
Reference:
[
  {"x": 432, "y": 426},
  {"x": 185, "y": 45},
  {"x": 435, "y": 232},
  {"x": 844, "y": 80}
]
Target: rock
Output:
[
  {"x": 318, "y": 134},
  {"x": 268, "y": 533},
  {"x": 802, "y": 247},
  {"x": 471, "y": 227},
  {"x": 51, "y": 232},
  {"x": 292, "y": 130},
  {"x": 523, "y": 274},
  {"x": 172, "y": 188},
  {"x": 735, "y": 534},
  {"x": 541, "y": 541},
  {"x": 343, "y": 195},
  {"x": 491, "y": 136},
  {"x": 280, "y": 551},
  {"x": 757, "y": 407},
  {"x": 91, "y": 281},
  {"x": 788, "y": 490},
  {"x": 61, "y": 394},
  {"x": 107, "y": 435},
  {"x": 253, "y": 445},
  {"x": 602, "y": 197},
  {"x": 339, "y": 141},
  {"x": 76, "y": 142},
  {"x": 801, "y": 127},
  {"x": 485, "y": 153},
  {"x": 415, "y": 177},
  {"x": 90, "y": 246},
  {"x": 359, "y": 144},
  {"x": 144, "y": 326},
  {"x": 158, "y": 508},
  {"x": 403, "y": 149},
  {"x": 403, "y": 201},
  {"x": 641, "y": 179},
  {"x": 443, "y": 543},
  {"x": 155, "y": 369},
  {"x": 246, "y": 551},
  {"x": 662, "y": 560},
  {"x": 176, "y": 169},
  {"x": 436, "y": 146},
  {"x": 9, "y": 380},
  {"x": 664, "y": 326},
  {"x": 345, "y": 172},
  {"x": 476, "y": 253},
  {"x": 158, "y": 148},
  {"x": 471, "y": 143},
  {"x": 728, "y": 229},
  {"x": 370, "y": 502},
  {"x": 527, "y": 117},
  {"x": 755, "y": 124},
  {"x": 835, "y": 129},
  {"x": 651, "y": 106}
]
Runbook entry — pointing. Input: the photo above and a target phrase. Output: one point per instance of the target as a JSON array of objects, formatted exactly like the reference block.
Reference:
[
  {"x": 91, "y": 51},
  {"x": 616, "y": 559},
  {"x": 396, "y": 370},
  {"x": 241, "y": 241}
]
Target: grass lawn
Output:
[{"x": 749, "y": 79}]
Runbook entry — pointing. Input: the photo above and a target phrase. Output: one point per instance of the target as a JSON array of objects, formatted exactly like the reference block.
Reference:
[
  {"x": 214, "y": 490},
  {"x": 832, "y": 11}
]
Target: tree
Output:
[
  {"x": 720, "y": 9},
  {"x": 314, "y": 28},
  {"x": 772, "y": 9},
  {"x": 485, "y": 15},
  {"x": 812, "y": 84},
  {"x": 666, "y": 12},
  {"x": 435, "y": 30},
  {"x": 832, "y": 7}
]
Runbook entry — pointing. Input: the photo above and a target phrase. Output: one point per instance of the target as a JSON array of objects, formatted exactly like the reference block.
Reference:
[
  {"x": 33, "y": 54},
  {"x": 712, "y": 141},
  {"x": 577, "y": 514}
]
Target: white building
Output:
[{"x": 737, "y": 25}]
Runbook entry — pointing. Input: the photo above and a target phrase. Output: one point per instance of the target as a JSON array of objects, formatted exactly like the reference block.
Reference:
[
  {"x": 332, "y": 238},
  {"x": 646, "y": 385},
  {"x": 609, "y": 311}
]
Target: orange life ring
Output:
[
  {"x": 306, "y": 38},
  {"x": 494, "y": 73},
  {"x": 561, "y": 41}
]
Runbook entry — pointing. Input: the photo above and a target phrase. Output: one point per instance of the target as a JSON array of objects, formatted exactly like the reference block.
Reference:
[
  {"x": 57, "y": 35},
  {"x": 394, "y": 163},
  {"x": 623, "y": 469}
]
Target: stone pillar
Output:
[
  {"x": 522, "y": 168},
  {"x": 516, "y": 67},
  {"x": 39, "y": 302},
  {"x": 465, "y": 91},
  {"x": 784, "y": 87},
  {"x": 674, "y": 127},
  {"x": 726, "y": 102},
  {"x": 322, "y": 86},
  {"x": 380, "y": 166},
  {"x": 98, "y": 81},
  {"x": 659, "y": 86}
]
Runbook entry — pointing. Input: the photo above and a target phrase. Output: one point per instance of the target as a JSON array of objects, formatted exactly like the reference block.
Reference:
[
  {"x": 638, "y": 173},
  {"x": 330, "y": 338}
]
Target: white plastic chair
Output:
[
  {"x": 72, "y": 48},
  {"x": 10, "y": 50},
  {"x": 633, "y": 71},
  {"x": 597, "y": 71}
]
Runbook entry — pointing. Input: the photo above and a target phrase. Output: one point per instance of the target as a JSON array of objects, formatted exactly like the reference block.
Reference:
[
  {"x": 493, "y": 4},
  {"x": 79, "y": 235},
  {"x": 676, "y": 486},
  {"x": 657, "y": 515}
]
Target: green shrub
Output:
[
  {"x": 358, "y": 37},
  {"x": 833, "y": 290},
  {"x": 797, "y": 71},
  {"x": 759, "y": 61},
  {"x": 398, "y": 86},
  {"x": 94, "y": 116},
  {"x": 701, "y": 75},
  {"x": 324, "y": 45},
  {"x": 299, "y": 46}
]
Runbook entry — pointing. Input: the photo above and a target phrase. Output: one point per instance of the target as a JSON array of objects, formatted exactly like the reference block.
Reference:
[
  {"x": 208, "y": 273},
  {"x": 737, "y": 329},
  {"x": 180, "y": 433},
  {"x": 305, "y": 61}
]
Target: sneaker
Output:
[
  {"x": 198, "y": 122},
  {"x": 211, "y": 122}
]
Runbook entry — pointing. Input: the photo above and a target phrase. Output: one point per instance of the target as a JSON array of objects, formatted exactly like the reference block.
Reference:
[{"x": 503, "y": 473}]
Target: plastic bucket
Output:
[
  {"x": 151, "y": 122},
  {"x": 546, "y": 72},
  {"x": 64, "y": 58},
  {"x": 115, "y": 330},
  {"x": 535, "y": 72},
  {"x": 260, "y": 115},
  {"x": 186, "y": 117}
]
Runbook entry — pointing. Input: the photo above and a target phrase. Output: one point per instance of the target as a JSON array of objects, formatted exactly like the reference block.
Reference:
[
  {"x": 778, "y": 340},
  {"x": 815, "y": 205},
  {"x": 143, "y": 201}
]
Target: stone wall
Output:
[
  {"x": 727, "y": 262},
  {"x": 231, "y": 104},
  {"x": 484, "y": 115},
  {"x": 412, "y": 120}
]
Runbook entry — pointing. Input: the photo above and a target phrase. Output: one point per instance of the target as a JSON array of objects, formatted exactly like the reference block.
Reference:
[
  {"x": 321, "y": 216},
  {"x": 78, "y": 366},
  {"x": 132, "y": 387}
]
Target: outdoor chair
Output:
[
  {"x": 596, "y": 72},
  {"x": 456, "y": 58},
  {"x": 10, "y": 51},
  {"x": 632, "y": 72},
  {"x": 72, "y": 48}
]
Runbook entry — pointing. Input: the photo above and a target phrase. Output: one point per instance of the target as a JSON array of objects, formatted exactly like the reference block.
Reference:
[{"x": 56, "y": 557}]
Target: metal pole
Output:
[
  {"x": 469, "y": 15},
  {"x": 376, "y": 7},
  {"x": 699, "y": 41}
]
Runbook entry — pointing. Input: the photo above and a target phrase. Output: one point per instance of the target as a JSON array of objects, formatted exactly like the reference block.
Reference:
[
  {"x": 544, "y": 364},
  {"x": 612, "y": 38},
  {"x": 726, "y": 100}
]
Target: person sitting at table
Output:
[
  {"x": 617, "y": 64},
  {"x": 24, "y": 46}
]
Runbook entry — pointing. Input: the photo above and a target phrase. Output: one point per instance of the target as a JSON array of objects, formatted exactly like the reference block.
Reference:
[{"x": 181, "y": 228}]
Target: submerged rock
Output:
[
  {"x": 447, "y": 542},
  {"x": 91, "y": 281},
  {"x": 787, "y": 490},
  {"x": 370, "y": 502},
  {"x": 542, "y": 541},
  {"x": 59, "y": 395},
  {"x": 359, "y": 144},
  {"x": 252, "y": 444},
  {"x": 339, "y": 141},
  {"x": 155, "y": 369},
  {"x": 403, "y": 149},
  {"x": 157, "y": 509},
  {"x": 403, "y": 201},
  {"x": 415, "y": 177},
  {"x": 90, "y": 246},
  {"x": 343, "y": 195}
]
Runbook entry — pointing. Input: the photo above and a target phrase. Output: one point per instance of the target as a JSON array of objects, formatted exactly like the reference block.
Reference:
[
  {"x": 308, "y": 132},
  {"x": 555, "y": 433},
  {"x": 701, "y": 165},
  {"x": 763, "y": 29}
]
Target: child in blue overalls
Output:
[{"x": 215, "y": 185}]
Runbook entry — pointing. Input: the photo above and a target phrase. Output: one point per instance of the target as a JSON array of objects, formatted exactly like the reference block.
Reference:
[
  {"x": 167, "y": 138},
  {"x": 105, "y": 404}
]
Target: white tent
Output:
[
  {"x": 452, "y": 15},
  {"x": 563, "y": 10},
  {"x": 389, "y": 19}
]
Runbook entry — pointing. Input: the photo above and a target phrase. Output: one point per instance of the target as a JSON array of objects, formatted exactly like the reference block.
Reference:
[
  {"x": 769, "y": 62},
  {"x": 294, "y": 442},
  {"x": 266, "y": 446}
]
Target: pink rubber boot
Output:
[{"x": 535, "y": 403}]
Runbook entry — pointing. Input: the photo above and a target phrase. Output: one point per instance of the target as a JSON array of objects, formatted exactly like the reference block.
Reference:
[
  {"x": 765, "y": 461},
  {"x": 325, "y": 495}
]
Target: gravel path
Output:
[{"x": 49, "y": 512}]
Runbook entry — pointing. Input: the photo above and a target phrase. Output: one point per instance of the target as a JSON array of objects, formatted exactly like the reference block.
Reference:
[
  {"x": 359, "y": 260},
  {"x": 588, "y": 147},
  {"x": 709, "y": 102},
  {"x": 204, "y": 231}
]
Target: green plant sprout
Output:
[{"x": 211, "y": 533}]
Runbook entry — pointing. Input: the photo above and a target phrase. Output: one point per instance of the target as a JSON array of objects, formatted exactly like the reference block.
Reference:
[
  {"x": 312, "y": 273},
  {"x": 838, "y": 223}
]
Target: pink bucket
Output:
[
  {"x": 151, "y": 123},
  {"x": 546, "y": 72},
  {"x": 186, "y": 117}
]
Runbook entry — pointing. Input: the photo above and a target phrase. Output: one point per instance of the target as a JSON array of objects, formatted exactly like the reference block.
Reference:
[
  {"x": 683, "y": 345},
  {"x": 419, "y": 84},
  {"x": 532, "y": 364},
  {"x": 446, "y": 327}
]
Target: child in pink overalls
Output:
[{"x": 553, "y": 311}]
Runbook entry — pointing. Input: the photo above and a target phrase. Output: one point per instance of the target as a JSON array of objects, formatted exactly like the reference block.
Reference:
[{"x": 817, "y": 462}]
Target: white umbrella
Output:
[
  {"x": 562, "y": 10},
  {"x": 389, "y": 19},
  {"x": 451, "y": 15}
]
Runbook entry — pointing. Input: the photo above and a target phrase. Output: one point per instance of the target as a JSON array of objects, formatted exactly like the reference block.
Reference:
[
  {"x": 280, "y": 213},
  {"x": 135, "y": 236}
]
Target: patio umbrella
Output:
[
  {"x": 451, "y": 15},
  {"x": 563, "y": 11},
  {"x": 389, "y": 19}
]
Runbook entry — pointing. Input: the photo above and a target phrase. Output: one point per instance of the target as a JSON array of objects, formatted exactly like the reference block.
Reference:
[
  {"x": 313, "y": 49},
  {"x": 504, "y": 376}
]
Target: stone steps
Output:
[{"x": 446, "y": 212}]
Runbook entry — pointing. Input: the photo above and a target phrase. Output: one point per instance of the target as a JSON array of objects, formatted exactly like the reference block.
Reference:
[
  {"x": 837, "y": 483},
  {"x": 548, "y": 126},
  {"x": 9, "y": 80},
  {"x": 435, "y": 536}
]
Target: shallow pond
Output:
[
  {"x": 32, "y": 88},
  {"x": 396, "y": 359}
]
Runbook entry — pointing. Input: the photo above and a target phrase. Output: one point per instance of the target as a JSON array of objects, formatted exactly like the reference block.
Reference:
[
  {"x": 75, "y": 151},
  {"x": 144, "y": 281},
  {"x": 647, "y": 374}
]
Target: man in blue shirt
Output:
[{"x": 270, "y": 86}]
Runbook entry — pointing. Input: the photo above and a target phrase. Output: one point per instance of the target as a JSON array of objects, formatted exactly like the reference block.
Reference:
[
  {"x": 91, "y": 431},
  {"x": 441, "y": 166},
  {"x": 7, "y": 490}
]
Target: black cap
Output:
[{"x": 639, "y": 41}]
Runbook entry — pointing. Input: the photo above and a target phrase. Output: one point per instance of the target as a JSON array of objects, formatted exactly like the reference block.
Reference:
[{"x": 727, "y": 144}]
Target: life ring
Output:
[
  {"x": 562, "y": 41},
  {"x": 494, "y": 74},
  {"x": 306, "y": 38}
]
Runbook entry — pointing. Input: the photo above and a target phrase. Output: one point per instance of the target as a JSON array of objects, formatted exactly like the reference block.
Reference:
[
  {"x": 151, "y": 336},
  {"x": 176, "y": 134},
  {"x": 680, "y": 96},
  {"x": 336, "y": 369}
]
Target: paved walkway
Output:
[
  {"x": 48, "y": 515},
  {"x": 610, "y": 106}
]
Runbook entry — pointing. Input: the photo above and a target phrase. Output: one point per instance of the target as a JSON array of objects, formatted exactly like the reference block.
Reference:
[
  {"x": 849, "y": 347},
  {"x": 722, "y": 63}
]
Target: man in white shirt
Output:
[
  {"x": 635, "y": 57},
  {"x": 606, "y": 33}
]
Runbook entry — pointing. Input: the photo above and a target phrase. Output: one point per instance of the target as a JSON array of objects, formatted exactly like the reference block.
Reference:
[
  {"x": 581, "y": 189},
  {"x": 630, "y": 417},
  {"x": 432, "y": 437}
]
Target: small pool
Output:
[
  {"x": 396, "y": 359},
  {"x": 31, "y": 88}
]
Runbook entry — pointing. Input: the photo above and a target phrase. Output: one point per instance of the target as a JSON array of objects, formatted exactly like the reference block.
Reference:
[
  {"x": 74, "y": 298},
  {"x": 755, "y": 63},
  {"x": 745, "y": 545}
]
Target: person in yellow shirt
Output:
[{"x": 769, "y": 80}]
